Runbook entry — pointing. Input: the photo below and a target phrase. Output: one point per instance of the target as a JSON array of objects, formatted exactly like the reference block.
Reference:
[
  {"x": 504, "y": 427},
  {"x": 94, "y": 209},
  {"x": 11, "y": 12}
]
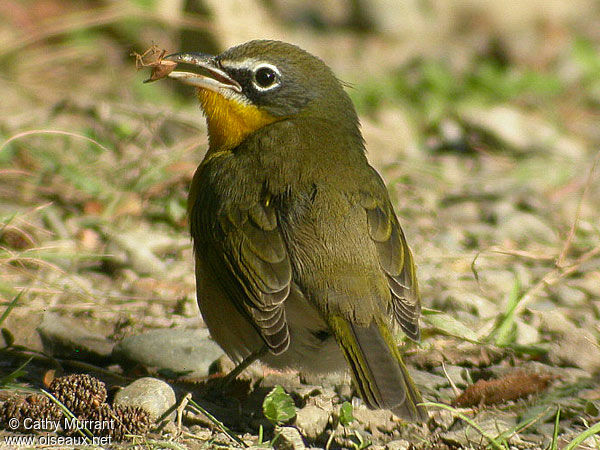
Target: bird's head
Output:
[{"x": 262, "y": 82}]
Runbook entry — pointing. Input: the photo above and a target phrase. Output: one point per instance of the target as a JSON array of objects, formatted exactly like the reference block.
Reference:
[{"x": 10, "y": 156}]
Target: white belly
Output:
[{"x": 312, "y": 348}]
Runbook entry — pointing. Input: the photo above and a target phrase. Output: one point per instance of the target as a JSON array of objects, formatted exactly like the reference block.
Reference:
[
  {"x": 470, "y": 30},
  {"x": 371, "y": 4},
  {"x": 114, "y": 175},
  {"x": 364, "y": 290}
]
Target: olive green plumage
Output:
[{"x": 297, "y": 244}]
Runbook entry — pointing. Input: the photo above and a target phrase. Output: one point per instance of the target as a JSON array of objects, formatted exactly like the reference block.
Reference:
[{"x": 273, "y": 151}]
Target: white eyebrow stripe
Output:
[
  {"x": 251, "y": 64},
  {"x": 247, "y": 63}
]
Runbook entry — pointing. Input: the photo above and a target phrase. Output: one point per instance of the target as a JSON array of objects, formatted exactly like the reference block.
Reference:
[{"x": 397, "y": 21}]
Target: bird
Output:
[{"x": 300, "y": 260}]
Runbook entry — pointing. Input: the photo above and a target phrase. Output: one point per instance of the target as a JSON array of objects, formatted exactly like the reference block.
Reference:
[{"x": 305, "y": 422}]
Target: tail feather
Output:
[{"x": 378, "y": 370}]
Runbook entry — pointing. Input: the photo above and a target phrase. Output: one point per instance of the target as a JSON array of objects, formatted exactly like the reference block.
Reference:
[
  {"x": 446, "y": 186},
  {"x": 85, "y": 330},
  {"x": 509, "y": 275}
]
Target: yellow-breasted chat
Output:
[{"x": 300, "y": 258}]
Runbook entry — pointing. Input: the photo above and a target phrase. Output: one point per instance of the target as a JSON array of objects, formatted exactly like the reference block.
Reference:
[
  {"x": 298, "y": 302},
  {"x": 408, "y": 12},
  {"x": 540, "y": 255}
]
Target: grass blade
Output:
[
  {"x": 493, "y": 442},
  {"x": 554, "y": 445},
  {"x": 583, "y": 436},
  {"x": 10, "y": 307}
]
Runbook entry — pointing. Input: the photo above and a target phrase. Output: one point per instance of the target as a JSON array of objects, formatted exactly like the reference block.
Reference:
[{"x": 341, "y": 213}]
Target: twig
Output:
[
  {"x": 59, "y": 363},
  {"x": 180, "y": 408},
  {"x": 84, "y": 432},
  {"x": 195, "y": 406},
  {"x": 58, "y": 132},
  {"x": 92, "y": 368},
  {"x": 553, "y": 277},
  {"x": 588, "y": 182},
  {"x": 520, "y": 253},
  {"x": 451, "y": 381}
]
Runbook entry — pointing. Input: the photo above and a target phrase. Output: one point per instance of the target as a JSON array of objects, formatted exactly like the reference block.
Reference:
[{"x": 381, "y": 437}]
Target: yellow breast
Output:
[{"x": 229, "y": 120}]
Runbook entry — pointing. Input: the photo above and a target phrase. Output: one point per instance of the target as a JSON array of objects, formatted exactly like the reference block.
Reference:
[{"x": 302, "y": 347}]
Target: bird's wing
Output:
[
  {"x": 395, "y": 259},
  {"x": 245, "y": 250}
]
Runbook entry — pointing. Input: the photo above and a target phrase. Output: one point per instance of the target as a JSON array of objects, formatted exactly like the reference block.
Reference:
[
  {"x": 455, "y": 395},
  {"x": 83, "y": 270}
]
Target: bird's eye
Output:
[{"x": 265, "y": 78}]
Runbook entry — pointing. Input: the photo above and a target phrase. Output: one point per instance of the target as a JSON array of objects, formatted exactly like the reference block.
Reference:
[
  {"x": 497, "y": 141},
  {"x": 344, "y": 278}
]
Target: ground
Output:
[{"x": 482, "y": 119}]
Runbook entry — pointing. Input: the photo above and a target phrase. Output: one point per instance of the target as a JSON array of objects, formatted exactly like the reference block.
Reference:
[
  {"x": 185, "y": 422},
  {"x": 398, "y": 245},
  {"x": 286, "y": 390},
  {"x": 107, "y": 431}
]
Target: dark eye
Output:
[{"x": 265, "y": 77}]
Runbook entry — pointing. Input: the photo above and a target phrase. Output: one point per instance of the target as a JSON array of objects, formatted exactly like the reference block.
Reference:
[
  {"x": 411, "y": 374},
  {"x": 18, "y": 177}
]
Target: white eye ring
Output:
[{"x": 265, "y": 77}]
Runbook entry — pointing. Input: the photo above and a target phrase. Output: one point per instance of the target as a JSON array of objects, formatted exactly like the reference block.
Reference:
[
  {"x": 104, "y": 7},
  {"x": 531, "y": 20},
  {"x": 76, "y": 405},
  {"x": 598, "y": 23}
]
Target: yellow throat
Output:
[{"x": 229, "y": 120}]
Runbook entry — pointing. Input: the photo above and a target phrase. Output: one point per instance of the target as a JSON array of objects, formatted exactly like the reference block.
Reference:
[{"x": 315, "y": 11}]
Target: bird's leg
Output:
[{"x": 231, "y": 376}]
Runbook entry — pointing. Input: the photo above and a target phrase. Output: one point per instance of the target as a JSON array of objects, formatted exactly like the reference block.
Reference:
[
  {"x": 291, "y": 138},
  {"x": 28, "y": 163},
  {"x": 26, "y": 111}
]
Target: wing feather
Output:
[
  {"x": 248, "y": 255},
  {"x": 396, "y": 261}
]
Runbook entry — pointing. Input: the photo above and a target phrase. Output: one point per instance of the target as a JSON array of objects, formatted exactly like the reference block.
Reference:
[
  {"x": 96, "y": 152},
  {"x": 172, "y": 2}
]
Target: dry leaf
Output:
[{"x": 49, "y": 377}]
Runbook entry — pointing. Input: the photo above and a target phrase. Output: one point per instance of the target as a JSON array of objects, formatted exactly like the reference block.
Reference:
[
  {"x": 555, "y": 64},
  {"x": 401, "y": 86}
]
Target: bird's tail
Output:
[{"x": 378, "y": 369}]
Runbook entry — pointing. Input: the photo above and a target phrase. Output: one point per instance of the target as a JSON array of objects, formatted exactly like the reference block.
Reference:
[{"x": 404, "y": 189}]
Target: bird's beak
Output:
[{"x": 213, "y": 78}]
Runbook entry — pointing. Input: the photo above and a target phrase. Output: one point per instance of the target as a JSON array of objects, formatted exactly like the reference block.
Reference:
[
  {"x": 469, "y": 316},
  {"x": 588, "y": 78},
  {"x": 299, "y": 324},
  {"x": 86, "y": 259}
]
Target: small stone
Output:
[
  {"x": 344, "y": 391},
  {"x": 526, "y": 334},
  {"x": 426, "y": 379},
  {"x": 153, "y": 395},
  {"x": 312, "y": 421},
  {"x": 521, "y": 131},
  {"x": 66, "y": 338},
  {"x": 288, "y": 381},
  {"x": 484, "y": 307},
  {"x": 442, "y": 418},
  {"x": 375, "y": 420},
  {"x": 201, "y": 432},
  {"x": 222, "y": 365},
  {"x": 573, "y": 346},
  {"x": 289, "y": 439},
  {"x": 526, "y": 227},
  {"x": 307, "y": 391},
  {"x": 139, "y": 246},
  {"x": 186, "y": 352},
  {"x": 570, "y": 296},
  {"x": 456, "y": 373},
  {"x": 397, "y": 445}
]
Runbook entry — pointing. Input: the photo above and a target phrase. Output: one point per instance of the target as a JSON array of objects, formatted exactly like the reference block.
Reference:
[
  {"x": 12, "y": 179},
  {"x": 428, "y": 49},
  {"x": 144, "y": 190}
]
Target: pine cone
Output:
[
  {"x": 36, "y": 407},
  {"x": 131, "y": 420},
  {"x": 80, "y": 393},
  {"x": 120, "y": 421}
]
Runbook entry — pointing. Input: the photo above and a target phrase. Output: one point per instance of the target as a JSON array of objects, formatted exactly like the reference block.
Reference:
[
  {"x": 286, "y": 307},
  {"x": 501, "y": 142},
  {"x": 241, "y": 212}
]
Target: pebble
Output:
[
  {"x": 344, "y": 391},
  {"x": 66, "y": 338},
  {"x": 570, "y": 296},
  {"x": 456, "y": 373},
  {"x": 397, "y": 445},
  {"x": 485, "y": 308},
  {"x": 426, "y": 379},
  {"x": 442, "y": 418},
  {"x": 312, "y": 421},
  {"x": 200, "y": 432},
  {"x": 526, "y": 334},
  {"x": 573, "y": 344},
  {"x": 140, "y": 247},
  {"x": 151, "y": 394},
  {"x": 289, "y": 439},
  {"x": 375, "y": 420},
  {"x": 186, "y": 352},
  {"x": 525, "y": 227},
  {"x": 521, "y": 131}
]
